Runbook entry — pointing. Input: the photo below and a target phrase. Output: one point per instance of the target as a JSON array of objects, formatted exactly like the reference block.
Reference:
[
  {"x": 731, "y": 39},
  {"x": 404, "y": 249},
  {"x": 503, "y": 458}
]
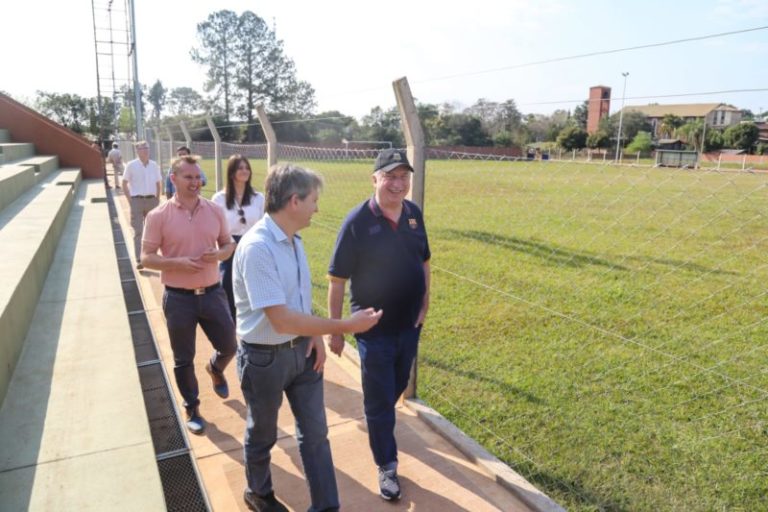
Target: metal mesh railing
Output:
[{"x": 600, "y": 328}]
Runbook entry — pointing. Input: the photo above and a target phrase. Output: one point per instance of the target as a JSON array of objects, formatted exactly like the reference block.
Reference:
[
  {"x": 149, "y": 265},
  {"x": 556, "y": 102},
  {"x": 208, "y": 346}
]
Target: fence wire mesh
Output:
[{"x": 600, "y": 328}]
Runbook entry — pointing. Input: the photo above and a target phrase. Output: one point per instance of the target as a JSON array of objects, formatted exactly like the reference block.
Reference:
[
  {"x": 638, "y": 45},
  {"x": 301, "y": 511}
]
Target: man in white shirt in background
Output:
[
  {"x": 142, "y": 183},
  {"x": 116, "y": 159}
]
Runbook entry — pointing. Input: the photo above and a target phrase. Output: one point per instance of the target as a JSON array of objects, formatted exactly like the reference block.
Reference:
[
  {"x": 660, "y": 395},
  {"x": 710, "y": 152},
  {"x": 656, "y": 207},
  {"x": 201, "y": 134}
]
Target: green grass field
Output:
[{"x": 600, "y": 329}]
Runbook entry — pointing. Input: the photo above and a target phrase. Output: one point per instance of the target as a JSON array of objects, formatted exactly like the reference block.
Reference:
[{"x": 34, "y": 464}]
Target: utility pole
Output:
[
  {"x": 621, "y": 115},
  {"x": 136, "y": 84}
]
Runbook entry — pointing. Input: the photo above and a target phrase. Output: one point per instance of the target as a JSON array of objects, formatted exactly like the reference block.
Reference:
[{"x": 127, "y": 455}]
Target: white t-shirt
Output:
[
  {"x": 253, "y": 212},
  {"x": 142, "y": 180}
]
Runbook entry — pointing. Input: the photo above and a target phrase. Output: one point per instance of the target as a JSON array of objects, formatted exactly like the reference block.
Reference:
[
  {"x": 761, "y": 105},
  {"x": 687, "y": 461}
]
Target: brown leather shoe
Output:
[{"x": 220, "y": 386}]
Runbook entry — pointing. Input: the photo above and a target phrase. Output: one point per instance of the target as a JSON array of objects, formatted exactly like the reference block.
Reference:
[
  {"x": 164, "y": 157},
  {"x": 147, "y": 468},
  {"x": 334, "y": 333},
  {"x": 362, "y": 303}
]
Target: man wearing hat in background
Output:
[{"x": 382, "y": 248}]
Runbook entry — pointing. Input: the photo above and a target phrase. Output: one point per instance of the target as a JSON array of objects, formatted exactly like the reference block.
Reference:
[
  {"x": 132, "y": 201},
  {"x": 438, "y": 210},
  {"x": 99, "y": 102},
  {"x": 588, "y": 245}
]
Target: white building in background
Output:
[{"x": 716, "y": 115}]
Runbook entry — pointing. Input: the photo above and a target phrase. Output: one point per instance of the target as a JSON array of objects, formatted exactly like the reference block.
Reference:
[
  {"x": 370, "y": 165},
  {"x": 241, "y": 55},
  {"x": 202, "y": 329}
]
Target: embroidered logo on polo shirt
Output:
[
  {"x": 374, "y": 229},
  {"x": 413, "y": 223}
]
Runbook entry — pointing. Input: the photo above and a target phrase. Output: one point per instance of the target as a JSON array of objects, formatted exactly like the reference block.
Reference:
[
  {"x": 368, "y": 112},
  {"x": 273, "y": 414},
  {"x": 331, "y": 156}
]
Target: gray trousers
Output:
[{"x": 140, "y": 207}]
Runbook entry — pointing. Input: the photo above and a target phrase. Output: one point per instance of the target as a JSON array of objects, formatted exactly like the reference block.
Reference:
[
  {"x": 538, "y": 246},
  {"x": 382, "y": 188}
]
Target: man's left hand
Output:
[
  {"x": 422, "y": 314},
  {"x": 210, "y": 256},
  {"x": 316, "y": 344}
]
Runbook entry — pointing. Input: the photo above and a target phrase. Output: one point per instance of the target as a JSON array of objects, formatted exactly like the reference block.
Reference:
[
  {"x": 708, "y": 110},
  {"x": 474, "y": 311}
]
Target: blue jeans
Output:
[
  {"x": 385, "y": 363},
  {"x": 265, "y": 374},
  {"x": 182, "y": 314},
  {"x": 225, "y": 269}
]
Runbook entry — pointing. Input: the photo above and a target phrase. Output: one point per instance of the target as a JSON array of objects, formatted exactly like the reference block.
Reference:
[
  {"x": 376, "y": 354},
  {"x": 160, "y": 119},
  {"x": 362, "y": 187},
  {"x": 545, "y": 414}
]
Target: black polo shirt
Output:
[{"x": 385, "y": 265}]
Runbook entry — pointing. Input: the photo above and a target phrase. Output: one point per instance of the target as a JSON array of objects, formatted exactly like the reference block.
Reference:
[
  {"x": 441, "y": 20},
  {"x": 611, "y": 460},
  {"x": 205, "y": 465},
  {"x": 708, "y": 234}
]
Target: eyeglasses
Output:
[
  {"x": 392, "y": 177},
  {"x": 241, "y": 213}
]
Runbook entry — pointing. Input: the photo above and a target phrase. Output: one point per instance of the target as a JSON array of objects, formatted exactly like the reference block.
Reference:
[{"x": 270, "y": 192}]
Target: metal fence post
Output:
[
  {"x": 414, "y": 137},
  {"x": 158, "y": 147},
  {"x": 171, "y": 152},
  {"x": 187, "y": 138},
  {"x": 269, "y": 134},
  {"x": 219, "y": 179}
]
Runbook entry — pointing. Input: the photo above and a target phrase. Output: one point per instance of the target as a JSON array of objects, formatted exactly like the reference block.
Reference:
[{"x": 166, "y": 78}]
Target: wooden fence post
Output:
[{"x": 414, "y": 137}]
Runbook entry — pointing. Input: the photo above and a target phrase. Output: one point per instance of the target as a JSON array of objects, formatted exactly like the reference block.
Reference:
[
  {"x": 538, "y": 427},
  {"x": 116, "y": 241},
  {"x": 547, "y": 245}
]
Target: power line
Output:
[
  {"x": 594, "y": 54},
  {"x": 657, "y": 96},
  {"x": 569, "y": 57}
]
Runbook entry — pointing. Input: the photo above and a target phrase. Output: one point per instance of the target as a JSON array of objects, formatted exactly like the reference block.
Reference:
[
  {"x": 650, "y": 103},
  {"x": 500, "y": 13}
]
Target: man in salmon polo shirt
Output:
[{"x": 192, "y": 236}]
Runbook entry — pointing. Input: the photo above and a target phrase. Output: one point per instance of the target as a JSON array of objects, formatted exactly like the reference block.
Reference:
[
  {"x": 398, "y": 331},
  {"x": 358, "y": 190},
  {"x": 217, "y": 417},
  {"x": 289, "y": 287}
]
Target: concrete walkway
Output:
[{"x": 434, "y": 475}]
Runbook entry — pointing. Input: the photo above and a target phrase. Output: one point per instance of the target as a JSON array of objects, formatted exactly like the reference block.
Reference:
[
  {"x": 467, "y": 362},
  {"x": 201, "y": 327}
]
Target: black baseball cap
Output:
[{"x": 390, "y": 159}]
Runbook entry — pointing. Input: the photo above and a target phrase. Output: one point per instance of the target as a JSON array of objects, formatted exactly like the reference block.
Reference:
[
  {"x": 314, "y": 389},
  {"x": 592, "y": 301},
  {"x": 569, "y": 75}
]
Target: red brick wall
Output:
[
  {"x": 598, "y": 107},
  {"x": 50, "y": 138}
]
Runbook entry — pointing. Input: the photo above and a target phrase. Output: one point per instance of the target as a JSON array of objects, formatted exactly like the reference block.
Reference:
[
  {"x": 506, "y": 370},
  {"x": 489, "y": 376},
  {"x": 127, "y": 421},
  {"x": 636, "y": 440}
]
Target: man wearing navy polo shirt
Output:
[{"x": 382, "y": 248}]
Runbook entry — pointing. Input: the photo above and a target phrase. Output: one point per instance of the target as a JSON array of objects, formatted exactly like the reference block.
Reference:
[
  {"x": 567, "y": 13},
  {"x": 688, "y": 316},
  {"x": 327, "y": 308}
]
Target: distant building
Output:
[
  {"x": 599, "y": 106},
  {"x": 763, "y": 132},
  {"x": 716, "y": 115}
]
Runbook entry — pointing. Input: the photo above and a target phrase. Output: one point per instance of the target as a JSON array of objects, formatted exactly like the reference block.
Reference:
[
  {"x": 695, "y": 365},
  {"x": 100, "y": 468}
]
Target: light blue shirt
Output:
[{"x": 269, "y": 270}]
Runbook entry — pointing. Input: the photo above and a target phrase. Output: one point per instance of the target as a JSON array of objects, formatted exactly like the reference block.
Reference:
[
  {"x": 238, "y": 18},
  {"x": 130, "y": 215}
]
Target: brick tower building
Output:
[{"x": 599, "y": 106}]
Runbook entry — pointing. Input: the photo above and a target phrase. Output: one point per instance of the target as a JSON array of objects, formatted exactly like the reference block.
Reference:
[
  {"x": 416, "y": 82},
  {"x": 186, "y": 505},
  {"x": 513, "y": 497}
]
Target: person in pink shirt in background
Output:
[{"x": 192, "y": 236}]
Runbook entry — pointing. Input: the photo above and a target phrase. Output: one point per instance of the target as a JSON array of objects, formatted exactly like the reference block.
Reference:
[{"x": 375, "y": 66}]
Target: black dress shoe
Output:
[{"x": 266, "y": 503}]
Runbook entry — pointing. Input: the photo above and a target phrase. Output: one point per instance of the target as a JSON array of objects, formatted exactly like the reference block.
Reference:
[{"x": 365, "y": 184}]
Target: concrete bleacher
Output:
[
  {"x": 10, "y": 151},
  {"x": 74, "y": 429}
]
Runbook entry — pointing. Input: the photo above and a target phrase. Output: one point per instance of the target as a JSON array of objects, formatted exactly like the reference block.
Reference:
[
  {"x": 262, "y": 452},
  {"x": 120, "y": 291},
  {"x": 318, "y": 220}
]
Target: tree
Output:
[
  {"x": 247, "y": 65},
  {"x": 382, "y": 125},
  {"x": 510, "y": 117},
  {"x": 264, "y": 73},
  {"x": 632, "y": 122},
  {"x": 669, "y": 124},
  {"x": 598, "y": 139},
  {"x": 183, "y": 101},
  {"x": 580, "y": 115},
  {"x": 70, "y": 110},
  {"x": 572, "y": 137},
  {"x": 217, "y": 52},
  {"x": 742, "y": 136},
  {"x": 503, "y": 139},
  {"x": 642, "y": 143},
  {"x": 691, "y": 133},
  {"x": 714, "y": 140},
  {"x": 156, "y": 98}
]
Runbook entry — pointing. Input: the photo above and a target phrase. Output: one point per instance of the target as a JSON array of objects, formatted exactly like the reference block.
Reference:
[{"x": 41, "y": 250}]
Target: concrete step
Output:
[
  {"x": 13, "y": 151},
  {"x": 5, "y": 135},
  {"x": 43, "y": 165},
  {"x": 74, "y": 409},
  {"x": 14, "y": 181},
  {"x": 30, "y": 228}
]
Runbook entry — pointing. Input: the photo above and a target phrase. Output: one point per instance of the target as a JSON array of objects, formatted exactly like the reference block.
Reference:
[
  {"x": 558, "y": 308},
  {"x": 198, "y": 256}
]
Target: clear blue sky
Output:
[{"x": 351, "y": 50}]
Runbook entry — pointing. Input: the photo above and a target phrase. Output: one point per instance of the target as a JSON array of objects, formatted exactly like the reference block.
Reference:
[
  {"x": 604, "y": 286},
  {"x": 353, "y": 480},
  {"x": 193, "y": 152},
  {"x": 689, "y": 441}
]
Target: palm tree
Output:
[
  {"x": 691, "y": 133},
  {"x": 669, "y": 124}
]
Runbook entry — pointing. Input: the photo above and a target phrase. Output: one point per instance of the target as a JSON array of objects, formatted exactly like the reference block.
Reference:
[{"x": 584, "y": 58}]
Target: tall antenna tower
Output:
[{"x": 115, "y": 48}]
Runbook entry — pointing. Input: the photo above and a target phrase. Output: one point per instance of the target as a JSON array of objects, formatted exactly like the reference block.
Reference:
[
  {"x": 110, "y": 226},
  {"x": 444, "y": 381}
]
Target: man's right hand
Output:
[
  {"x": 363, "y": 320},
  {"x": 336, "y": 343},
  {"x": 188, "y": 265}
]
